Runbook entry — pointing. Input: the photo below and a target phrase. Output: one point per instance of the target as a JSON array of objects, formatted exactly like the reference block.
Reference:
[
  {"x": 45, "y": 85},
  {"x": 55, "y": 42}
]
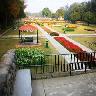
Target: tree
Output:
[
  {"x": 60, "y": 12},
  {"x": 74, "y": 16},
  {"x": 74, "y": 12},
  {"x": 10, "y": 10},
  {"x": 89, "y": 17},
  {"x": 53, "y": 15},
  {"x": 14, "y": 8},
  {"x": 93, "y": 6},
  {"x": 46, "y": 12}
]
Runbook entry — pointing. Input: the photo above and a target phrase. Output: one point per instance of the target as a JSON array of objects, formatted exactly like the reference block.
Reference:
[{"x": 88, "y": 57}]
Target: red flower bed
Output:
[
  {"x": 83, "y": 56},
  {"x": 69, "y": 45}
]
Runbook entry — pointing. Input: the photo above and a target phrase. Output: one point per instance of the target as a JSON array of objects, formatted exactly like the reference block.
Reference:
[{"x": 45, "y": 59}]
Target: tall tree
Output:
[
  {"x": 46, "y": 12},
  {"x": 89, "y": 17},
  {"x": 10, "y": 10},
  {"x": 60, "y": 12}
]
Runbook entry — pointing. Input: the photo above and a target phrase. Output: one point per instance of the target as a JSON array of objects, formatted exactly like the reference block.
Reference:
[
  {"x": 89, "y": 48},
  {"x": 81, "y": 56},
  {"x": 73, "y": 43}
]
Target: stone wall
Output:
[{"x": 7, "y": 73}]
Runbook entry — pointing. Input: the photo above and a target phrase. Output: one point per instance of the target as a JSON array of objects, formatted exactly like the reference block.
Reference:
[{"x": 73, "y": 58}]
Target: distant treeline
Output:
[
  {"x": 85, "y": 11},
  {"x": 10, "y": 11}
]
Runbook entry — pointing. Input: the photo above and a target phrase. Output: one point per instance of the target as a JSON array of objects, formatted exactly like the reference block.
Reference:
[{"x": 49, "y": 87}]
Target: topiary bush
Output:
[
  {"x": 54, "y": 34},
  {"x": 29, "y": 56}
]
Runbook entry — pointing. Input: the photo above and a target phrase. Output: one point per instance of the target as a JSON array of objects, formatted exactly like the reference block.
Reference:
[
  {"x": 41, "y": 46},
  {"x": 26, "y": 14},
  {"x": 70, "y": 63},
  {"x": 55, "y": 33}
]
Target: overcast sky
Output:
[{"x": 35, "y": 6}]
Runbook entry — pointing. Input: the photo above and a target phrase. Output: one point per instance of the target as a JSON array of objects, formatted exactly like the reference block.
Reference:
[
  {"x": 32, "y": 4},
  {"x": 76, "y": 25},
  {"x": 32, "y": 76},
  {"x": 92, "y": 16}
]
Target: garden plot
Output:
[{"x": 80, "y": 29}]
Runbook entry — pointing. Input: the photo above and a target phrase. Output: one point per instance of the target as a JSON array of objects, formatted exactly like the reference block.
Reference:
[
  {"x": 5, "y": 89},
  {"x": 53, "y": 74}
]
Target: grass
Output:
[
  {"x": 78, "y": 30},
  {"x": 6, "y": 44},
  {"x": 89, "y": 42},
  {"x": 10, "y": 43}
]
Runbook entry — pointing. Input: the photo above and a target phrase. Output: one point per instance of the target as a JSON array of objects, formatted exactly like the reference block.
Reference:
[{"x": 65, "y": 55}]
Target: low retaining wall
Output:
[
  {"x": 7, "y": 73},
  {"x": 60, "y": 74}
]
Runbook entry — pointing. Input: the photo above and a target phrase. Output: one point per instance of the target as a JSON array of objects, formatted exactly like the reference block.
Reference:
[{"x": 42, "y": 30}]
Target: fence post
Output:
[
  {"x": 85, "y": 66},
  {"x": 70, "y": 68}
]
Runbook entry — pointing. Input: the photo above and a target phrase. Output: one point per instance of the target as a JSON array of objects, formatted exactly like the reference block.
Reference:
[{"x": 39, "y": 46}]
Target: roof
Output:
[{"x": 28, "y": 27}]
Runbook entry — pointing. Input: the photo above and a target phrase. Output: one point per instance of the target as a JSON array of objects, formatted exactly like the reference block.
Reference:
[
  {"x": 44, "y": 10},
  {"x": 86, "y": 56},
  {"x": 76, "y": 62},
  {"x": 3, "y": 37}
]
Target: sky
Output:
[{"x": 35, "y": 6}]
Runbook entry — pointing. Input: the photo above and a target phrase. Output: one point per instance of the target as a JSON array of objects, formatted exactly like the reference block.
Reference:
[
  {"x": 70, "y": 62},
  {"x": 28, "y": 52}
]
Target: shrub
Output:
[
  {"x": 68, "y": 29},
  {"x": 29, "y": 56},
  {"x": 89, "y": 29},
  {"x": 40, "y": 24},
  {"x": 54, "y": 34}
]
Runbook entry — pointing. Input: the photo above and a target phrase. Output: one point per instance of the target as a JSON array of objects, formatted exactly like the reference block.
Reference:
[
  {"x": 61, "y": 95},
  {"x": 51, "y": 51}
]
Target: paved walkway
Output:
[
  {"x": 17, "y": 36},
  {"x": 81, "y": 35},
  {"x": 79, "y": 85}
]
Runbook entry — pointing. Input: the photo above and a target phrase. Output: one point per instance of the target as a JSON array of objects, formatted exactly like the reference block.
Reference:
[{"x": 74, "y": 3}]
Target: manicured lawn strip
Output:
[
  {"x": 47, "y": 30},
  {"x": 89, "y": 42},
  {"x": 58, "y": 28}
]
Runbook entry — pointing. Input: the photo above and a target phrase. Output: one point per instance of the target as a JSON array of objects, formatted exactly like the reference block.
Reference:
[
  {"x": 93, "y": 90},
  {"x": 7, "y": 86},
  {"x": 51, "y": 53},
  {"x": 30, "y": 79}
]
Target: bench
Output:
[
  {"x": 26, "y": 39},
  {"x": 22, "y": 86}
]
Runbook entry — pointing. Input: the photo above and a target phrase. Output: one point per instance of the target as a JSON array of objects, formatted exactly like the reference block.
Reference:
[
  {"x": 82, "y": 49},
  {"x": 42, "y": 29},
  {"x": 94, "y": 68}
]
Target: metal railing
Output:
[{"x": 57, "y": 63}]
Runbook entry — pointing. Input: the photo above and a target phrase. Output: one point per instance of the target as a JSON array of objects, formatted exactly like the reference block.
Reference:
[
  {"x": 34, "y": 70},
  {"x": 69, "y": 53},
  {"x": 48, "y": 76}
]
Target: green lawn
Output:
[
  {"x": 6, "y": 44},
  {"x": 89, "y": 42},
  {"x": 78, "y": 30}
]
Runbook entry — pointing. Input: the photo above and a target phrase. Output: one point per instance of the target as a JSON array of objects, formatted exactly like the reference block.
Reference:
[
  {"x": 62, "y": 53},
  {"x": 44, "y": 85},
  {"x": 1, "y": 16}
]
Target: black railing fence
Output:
[{"x": 58, "y": 63}]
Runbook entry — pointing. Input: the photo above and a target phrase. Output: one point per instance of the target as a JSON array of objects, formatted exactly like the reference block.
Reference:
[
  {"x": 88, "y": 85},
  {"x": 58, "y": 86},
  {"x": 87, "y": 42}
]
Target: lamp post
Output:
[{"x": 37, "y": 37}]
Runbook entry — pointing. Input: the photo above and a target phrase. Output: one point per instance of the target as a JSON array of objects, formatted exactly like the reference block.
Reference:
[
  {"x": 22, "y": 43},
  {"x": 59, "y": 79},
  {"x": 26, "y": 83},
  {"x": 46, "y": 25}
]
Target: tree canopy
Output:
[
  {"x": 60, "y": 12},
  {"x": 46, "y": 12},
  {"x": 10, "y": 10},
  {"x": 85, "y": 11}
]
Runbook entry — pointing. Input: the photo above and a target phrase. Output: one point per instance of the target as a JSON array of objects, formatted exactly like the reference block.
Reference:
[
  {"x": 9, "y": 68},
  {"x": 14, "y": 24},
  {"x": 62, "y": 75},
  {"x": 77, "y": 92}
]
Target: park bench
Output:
[
  {"x": 22, "y": 86},
  {"x": 27, "y": 39}
]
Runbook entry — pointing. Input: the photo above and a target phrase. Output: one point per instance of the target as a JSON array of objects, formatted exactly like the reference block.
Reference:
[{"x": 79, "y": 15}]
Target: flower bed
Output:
[
  {"x": 69, "y": 45},
  {"x": 72, "y": 26},
  {"x": 83, "y": 56}
]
